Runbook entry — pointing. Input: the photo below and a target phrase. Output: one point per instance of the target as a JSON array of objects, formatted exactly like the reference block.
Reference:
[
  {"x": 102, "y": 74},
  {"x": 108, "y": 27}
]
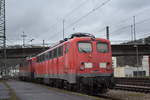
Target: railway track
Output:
[
  {"x": 133, "y": 88},
  {"x": 133, "y": 84}
]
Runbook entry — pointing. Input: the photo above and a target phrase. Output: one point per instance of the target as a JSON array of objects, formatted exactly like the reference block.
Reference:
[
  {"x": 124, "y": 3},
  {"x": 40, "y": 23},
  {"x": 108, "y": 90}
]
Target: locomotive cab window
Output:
[
  {"x": 85, "y": 47},
  {"x": 102, "y": 47}
]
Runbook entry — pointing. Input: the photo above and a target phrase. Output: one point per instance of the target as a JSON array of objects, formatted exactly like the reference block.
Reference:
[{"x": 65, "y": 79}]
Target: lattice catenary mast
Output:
[{"x": 3, "y": 31}]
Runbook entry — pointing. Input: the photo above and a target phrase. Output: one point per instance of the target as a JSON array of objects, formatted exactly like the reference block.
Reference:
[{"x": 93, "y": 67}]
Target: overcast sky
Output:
[{"x": 42, "y": 19}]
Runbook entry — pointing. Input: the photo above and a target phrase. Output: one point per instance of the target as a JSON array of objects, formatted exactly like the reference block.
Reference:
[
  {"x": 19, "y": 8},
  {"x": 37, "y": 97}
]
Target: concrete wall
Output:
[
  {"x": 127, "y": 71},
  {"x": 146, "y": 64},
  {"x": 119, "y": 72}
]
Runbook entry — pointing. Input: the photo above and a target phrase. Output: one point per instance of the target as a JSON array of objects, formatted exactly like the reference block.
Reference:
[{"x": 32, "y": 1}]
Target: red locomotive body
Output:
[
  {"x": 26, "y": 69},
  {"x": 82, "y": 61}
]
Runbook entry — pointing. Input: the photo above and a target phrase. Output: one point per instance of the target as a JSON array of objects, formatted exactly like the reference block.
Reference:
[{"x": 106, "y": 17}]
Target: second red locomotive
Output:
[{"x": 81, "y": 62}]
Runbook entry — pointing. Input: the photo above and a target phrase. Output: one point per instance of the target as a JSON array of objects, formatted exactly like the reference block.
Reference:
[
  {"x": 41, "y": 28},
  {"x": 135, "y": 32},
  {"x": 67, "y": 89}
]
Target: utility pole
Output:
[
  {"x": 3, "y": 32},
  {"x": 43, "y": 44},
  {"x": 132, "y": 33},
  {"x": 31, "y": 42},
  {"x": 136, "y": 46},
  {"x": 134, "y": 28},
  {"x": 23, "y": 43},
  {"x": 63, "y": 29},
  {"x": 23, "y": 39},
  {"x": 137, "y": 58},
  {"x": 107, "y": 32}
]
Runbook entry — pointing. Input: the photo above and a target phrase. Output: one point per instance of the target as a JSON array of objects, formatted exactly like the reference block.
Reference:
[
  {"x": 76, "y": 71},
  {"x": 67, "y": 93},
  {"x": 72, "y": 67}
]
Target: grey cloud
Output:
[
  {"x": 36, "y": 17},
  {"x": 129, "y": 5}
]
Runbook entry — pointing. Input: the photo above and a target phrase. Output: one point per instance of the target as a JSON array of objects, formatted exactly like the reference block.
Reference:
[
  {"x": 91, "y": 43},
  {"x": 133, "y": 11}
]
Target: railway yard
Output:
[
  {"x": 80, "y": 72},
  {"x": 19, "y": 90},
  {"x": 74, "y": 50},
  {"x": 76, "y": 73}
]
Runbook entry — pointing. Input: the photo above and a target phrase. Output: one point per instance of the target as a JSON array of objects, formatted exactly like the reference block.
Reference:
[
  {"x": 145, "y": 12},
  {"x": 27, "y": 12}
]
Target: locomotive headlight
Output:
[
  {"x": 88, "y": 65},
  {"x": 103, "y": 65}
]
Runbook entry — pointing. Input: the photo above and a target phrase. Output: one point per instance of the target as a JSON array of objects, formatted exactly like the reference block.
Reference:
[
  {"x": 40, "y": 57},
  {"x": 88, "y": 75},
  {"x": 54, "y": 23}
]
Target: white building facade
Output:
[{"x": 129, "y": 71}]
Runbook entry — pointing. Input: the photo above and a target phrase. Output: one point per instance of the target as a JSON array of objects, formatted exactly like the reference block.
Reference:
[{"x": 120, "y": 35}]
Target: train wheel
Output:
[
  {"x": 51, "y": 83},
  {"x": 103, "y": 89},
  {"x": 69, "y": 87},
  {"x": 61, "y": 84},
  {"x": 92, "y": 91},
  {"x": 57, "y": 83},
  {"x": 81, "y": 88},
  {"x": 91, "y": 88},
  {"x": 65, "y": 85}
]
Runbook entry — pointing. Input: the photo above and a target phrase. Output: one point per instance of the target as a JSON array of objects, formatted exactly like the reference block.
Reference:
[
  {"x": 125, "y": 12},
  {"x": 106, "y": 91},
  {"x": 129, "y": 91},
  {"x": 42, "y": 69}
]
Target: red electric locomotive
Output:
[
  {"x": 81, "y": 62},
  {"x": 26, "y": 70}
]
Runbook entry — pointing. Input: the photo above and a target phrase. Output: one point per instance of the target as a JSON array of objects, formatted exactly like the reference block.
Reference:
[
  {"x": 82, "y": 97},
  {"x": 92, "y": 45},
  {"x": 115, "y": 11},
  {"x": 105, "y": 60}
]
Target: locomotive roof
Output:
[
  {"x": 74, "y": 36},
  {"x": 69, "y": 40}
]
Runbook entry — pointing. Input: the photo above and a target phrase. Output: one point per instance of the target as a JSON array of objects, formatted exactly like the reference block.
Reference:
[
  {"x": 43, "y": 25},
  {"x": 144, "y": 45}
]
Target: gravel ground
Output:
[
  {"x": 31, "y": 91},
  {"x": 126, "y": 95},
  {"x": 4, "y": 92}
]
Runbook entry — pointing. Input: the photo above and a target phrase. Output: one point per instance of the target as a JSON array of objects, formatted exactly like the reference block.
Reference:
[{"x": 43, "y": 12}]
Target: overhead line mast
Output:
[{"x": 3, "y": 31}]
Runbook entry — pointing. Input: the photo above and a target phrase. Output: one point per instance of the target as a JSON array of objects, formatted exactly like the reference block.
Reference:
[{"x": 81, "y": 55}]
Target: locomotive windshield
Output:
[
  {"x": 102, "y": 47},
  {"x": 85, "y": 47}
]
